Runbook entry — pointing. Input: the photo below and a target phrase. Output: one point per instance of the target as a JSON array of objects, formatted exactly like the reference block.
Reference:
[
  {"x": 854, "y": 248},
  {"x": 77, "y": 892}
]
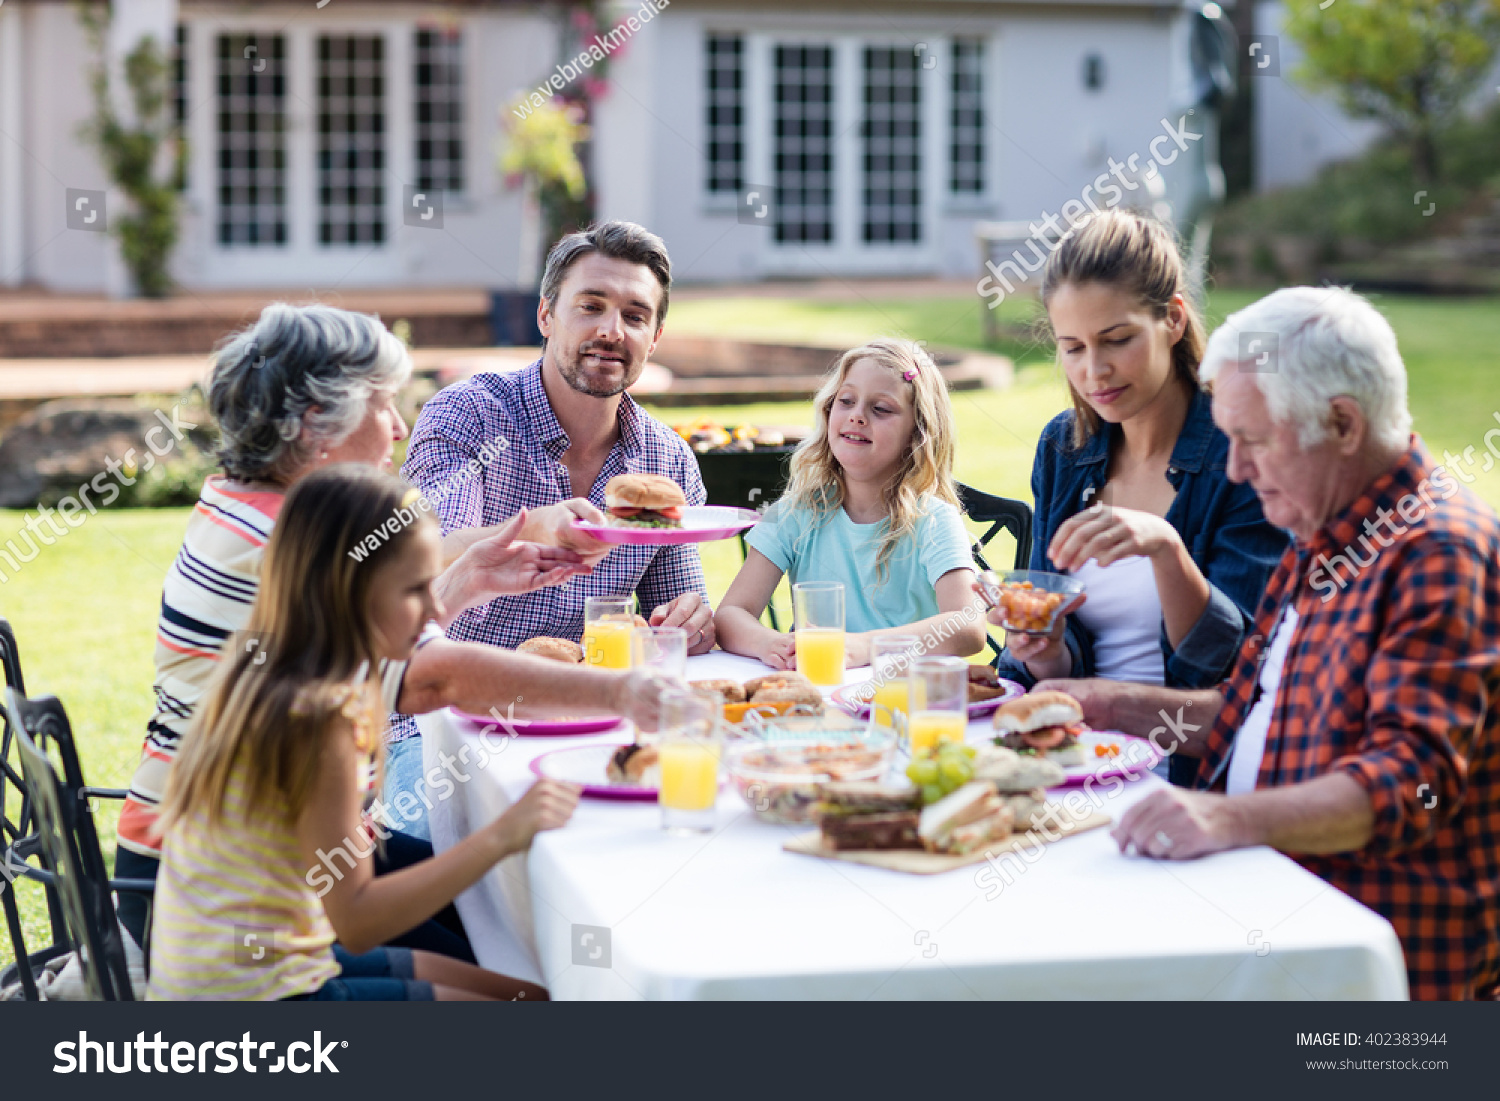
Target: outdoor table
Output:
[{"x": 611, "y": 906}]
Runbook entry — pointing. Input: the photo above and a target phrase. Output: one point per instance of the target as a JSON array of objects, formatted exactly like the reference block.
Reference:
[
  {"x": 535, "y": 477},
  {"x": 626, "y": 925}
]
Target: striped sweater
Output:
[{"x": 207, "y": 596}]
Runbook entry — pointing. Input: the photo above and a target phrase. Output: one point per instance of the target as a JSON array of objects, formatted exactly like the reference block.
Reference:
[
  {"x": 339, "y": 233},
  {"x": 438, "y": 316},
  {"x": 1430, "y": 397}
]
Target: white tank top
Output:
[{"x": 1123, "y": 613}]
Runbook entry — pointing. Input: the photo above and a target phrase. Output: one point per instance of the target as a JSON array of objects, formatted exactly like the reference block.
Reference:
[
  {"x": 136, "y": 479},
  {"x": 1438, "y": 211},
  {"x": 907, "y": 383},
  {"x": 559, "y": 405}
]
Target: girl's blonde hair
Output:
[
  {"x": 817, "y": 480},
  {"x": 306, "y": 657},
  {"x": 1139, "y": 255}
]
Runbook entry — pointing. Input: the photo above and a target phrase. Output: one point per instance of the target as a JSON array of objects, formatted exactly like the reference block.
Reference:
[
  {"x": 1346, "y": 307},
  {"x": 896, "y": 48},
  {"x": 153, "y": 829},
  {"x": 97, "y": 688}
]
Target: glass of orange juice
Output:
[
  {"x": 939, "y": 701},
  {"x": 607, "y": 625},
  {"x": 818, "y": 611},
  {"x": 691, "y": 740},
  {"x": 890, "y": 661},
  {"x": 661, "y": 649}
]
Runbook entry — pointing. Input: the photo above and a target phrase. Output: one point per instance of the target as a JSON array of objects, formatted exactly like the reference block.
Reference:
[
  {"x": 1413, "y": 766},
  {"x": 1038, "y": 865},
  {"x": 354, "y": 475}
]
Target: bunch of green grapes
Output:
[{"x": 945, "y": 767}]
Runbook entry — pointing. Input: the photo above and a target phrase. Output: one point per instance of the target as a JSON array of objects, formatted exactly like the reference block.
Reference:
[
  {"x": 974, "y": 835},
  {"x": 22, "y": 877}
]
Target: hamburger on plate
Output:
[
  {"x": 1046, "y": 724},
  {"x": 644, "y": 501}
]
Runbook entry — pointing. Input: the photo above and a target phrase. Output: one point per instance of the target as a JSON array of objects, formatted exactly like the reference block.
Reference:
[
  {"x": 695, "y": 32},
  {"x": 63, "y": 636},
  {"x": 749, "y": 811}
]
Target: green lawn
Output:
[{"x": 85, "y": 609}]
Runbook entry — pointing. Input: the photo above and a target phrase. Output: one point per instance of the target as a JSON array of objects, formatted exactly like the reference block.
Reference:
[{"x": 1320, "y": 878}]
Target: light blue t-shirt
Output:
[{"x": 841, "y": 550}]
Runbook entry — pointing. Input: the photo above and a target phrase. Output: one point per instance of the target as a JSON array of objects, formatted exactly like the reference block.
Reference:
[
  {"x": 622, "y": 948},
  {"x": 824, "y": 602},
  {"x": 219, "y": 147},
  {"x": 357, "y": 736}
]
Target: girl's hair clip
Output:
[{"x": 909, "y": 373}]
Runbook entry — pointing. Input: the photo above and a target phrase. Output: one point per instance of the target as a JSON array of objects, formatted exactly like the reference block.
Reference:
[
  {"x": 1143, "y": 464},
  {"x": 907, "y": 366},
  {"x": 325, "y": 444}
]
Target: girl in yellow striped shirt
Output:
[{"x": 274, "y": 774}]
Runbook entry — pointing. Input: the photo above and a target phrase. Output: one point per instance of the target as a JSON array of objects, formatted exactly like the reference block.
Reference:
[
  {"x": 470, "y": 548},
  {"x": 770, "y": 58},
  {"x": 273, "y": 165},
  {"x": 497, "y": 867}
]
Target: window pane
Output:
[
  {"x": 892, "y": 133},
  {"x": 725, "y": 72},
  {"x": 438, "y": 85},
  {"x": 251, "y": 103},
  {"x": 966, "y": 141},
  {"x": 351, "y": 140},
  {"x": 804, "y": 143}
]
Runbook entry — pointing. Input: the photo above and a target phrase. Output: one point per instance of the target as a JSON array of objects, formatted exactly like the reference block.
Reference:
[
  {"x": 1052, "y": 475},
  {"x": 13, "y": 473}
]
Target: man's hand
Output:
[
  {"x": 546, "y": 805},
  {"x": 692, "y": 613},
  {"x": 1108, "y": 534},
  {"x": 553, "y": 524},
  {"x": 1173, "y": 824},
  {"x": 500, "y": 566}
]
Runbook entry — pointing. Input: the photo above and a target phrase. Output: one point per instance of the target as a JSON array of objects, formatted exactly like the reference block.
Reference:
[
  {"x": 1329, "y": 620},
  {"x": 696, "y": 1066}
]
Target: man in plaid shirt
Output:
[
  {"x": 554, "y": 435},
  {"x": 1358, "y": 730}
]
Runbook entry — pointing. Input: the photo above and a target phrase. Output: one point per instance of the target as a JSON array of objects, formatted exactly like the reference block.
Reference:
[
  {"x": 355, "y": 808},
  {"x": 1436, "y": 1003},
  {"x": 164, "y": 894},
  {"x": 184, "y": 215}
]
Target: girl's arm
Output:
[
  {"x": 365, "y": 910},
  {"x": 738, "y": 618},
  {"x": 957, "y": 630}
]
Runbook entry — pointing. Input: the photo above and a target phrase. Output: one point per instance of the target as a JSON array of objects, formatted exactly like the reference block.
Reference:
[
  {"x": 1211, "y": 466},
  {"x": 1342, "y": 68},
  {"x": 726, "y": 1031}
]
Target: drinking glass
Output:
[
  {"x": 890, "y": 660},
  {"x": 818, "y": 611},
  {"x": 607, "y": 624},
  {"x": 939, "y": 701},
  {"x": 662, "y": 649},
  {"x": 690, "y": 743}
]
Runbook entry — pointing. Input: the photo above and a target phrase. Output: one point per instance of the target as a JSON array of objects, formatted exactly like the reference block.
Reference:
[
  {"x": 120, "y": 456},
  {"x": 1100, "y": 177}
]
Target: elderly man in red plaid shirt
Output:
[{"x": 1358, "y": 730}]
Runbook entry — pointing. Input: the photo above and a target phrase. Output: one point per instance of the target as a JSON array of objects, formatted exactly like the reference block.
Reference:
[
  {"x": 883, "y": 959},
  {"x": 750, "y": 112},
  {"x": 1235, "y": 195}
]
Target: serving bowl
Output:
[
  {"x": 780, "y": 768},
  {"x": 1029, "y": 600}
]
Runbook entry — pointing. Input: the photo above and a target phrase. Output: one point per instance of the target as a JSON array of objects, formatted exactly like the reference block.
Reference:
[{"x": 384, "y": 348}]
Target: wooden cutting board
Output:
[{"x": 1063, "y": 823}]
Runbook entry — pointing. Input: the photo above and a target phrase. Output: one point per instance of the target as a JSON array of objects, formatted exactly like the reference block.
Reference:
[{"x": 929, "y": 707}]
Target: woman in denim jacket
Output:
[{"x": 1130, "y": 485}]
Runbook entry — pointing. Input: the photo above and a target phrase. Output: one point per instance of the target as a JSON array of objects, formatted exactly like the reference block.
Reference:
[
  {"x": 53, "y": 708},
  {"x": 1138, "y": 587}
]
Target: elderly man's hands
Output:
[
  {"x": 692, "y": 613},
  {"x": 1173, "y": 824},
  {"x": 638, "y": 696}
]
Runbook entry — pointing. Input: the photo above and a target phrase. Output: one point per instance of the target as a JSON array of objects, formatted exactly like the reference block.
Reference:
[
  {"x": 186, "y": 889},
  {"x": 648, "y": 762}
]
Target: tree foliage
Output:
[
  {"x": 132, "y": 153},
  {"x": 1409, "y": 63}
]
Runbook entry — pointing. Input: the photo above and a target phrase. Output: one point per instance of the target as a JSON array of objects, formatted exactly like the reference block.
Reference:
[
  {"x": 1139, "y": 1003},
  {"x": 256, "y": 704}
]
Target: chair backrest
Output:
[
  {"x": 65, "y": 826},
  {"x": 15, "y": 808},
  {"x": 1001, "y": 513}
]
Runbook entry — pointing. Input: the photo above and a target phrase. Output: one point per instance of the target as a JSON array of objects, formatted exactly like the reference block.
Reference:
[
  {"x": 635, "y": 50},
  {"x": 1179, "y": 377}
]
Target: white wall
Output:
[{"x": 1048, "y": 135}]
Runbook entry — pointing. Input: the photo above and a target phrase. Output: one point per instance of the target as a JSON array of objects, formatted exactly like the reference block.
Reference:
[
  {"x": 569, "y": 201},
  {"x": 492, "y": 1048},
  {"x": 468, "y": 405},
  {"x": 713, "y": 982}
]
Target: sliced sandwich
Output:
[
  {"x": 1042, "y": 724},
  {"x": 965, "y": 820},
  {"x": 644, "y": 501},
  {"x": 864, "y": 815}
]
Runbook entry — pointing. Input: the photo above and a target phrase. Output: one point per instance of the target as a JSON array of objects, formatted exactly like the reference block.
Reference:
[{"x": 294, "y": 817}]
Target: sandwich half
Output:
[{"x": 644, "y": 501}]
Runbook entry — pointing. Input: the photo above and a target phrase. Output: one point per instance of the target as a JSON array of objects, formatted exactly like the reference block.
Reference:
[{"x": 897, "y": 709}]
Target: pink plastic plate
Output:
[
  {"x": 585, "y": 765},
  {"x": 845, "y": 697},
  {"x": 1137, "y": 755},
  {"x": 700, "y": 524},
  {"x": 540, "y": 728}
]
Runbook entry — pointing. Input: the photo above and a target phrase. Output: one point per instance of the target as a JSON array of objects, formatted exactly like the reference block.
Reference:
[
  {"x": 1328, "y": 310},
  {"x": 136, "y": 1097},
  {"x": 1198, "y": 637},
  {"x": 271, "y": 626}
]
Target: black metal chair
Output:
[
  {"x": 746, "y": 479},
  {"x": 1002, "y": 514},
  {"x": 64, "y": 824}
]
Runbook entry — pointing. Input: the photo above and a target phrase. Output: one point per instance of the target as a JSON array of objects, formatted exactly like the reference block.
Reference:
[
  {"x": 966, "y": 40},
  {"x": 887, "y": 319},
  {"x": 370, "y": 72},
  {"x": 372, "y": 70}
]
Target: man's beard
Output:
[{"x": 576, "y": 375}]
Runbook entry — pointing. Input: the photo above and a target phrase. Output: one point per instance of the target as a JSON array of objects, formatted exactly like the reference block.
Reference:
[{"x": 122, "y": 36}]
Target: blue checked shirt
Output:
[{"x": 526, "y": 471}]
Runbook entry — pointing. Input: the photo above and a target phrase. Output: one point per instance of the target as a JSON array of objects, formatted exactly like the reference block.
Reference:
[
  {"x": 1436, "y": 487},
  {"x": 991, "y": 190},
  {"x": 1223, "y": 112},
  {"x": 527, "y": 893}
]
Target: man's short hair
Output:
[
  {"x": 1314, "y": 344},
  {"x": 617, "y": 241}
]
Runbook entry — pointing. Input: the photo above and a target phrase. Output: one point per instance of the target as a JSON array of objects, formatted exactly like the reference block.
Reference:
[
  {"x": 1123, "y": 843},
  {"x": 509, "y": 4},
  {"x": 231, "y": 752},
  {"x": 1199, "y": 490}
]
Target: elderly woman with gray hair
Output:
[
  {"x": 304, "y": 387},
  {"x": 1359, "y": 731}
]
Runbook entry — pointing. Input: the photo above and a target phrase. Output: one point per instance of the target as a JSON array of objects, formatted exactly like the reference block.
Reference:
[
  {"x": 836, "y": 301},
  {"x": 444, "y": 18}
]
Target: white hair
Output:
[{"x": 1305, "y": 346}]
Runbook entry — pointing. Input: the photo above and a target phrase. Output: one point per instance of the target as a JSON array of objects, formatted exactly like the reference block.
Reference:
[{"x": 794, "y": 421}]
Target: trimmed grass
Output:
[{"x": 85, "y": 609}]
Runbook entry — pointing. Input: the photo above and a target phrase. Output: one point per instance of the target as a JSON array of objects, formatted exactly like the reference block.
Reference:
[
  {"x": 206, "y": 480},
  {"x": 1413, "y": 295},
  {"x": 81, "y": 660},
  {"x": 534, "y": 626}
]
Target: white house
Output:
[{"x": 321, "y": 137}]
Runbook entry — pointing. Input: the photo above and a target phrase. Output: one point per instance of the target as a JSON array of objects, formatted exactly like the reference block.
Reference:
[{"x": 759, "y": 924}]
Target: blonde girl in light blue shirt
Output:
[{"x": 871, "y": 503}]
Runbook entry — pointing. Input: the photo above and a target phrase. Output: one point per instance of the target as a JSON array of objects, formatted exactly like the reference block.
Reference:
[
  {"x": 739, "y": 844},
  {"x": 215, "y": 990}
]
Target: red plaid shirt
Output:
[{"x": 1393, "y": 678}]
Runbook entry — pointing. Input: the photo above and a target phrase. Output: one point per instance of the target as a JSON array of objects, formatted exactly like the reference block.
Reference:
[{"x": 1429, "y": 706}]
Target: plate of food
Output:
[
  {"x": 627, "y": 771},
  {"x": 787, "y": 693},
  {"x": 648, "y": 509},
  {"x": 1050, "y": 725},
  {"x": 987, "y": 691},
  {"x": 561, "y": 726}
]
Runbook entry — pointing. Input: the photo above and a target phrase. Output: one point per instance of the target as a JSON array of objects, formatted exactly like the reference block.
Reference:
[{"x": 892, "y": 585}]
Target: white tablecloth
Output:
[{"x": 613, "y": 907}]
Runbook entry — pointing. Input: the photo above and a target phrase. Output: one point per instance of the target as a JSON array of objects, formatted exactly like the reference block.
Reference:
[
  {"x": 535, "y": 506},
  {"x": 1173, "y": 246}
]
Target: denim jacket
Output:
[{"x": 1221, "y": 524}]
